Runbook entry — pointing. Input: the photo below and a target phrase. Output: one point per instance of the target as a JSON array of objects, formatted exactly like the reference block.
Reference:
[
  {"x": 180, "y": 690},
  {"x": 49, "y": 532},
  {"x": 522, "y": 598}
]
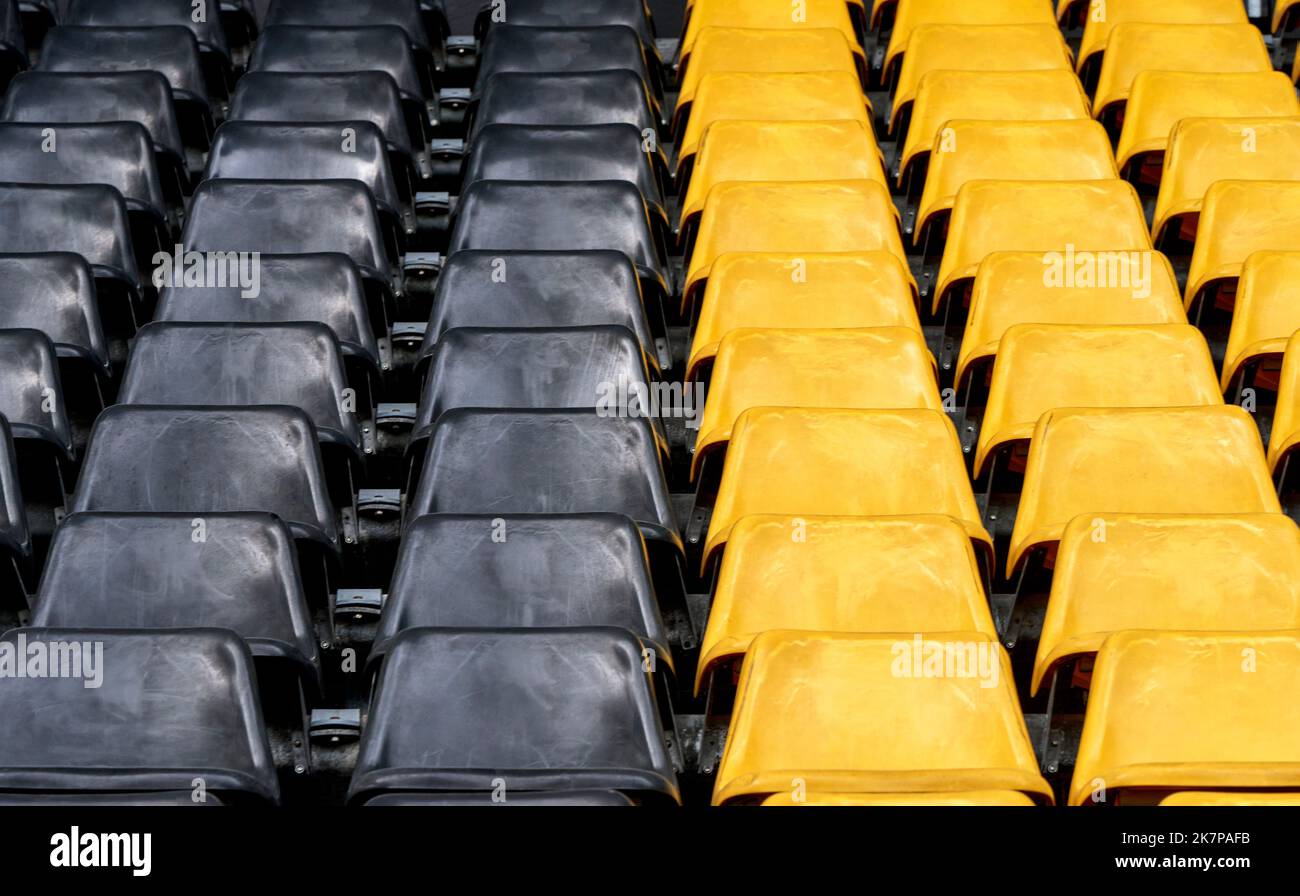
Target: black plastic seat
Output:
[
  {"x": 606, "y": 97},
  {"x": 527, "y": 215},
  {"x": 533, "y": 798},
  {"x": 171, "y": 50},
  {"x": 295, "y": 218},
  {"x": 293, "y": 364},
  {"x": 110, "y": 799},
  {"x": 514, "y": 709},
  {"x": 13, "y": 44},
  {"x": 31, "y": 397},
  {"x": 322, "y": 287},
  {"x": 286, "y": 97},
  {"x": 209, "y": 32},
  {"x": 89, "y": 220},
  {"x": 532, "y": 571},
  {"x": 139, "y": 570},
  {"x": 538, "y": 290},
  {"x": 257, "y": 150},
  {"x": 576, "y": 368},
  {"x": 54, "y": 292},
  {"x": 574, "y": 14},
  {"x": 533, "y": 49},
  {"x": 208, "y": 460},
  {"x": 404, "y": 14},
  {"x": 561, "y": 154},
  {"x": 117, "y": 153},
  {"x": 54, "y": 98},
  {"x": 171, "y": 706},
  {"x": 15, "y": 537}
]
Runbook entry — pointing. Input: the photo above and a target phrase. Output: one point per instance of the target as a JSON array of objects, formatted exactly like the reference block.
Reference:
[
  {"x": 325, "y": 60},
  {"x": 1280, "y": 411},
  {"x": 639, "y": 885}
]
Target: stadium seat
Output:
[
  {"x": 790, "y": 217},
  {"x": 1178, "y": 711},
  {"x": 762, "y": 50},
  {"x": 89, "y": 220},
  {"x": 1136, "y": 47},
  {"x": 817, "y": 15},
  {"x": 941, "y": 96},
  {"x": 293, "y": 218},
  {"x": 1098, "y": 29},
  {"x": 320, "y": 287},
  {"x": 1203, "y": 151},
  {"x": 800, "y": 291},
  {"x": 1113, "y": 288},
  {"x": 298, "y": 365},
  {"x": 577, "y": 368},
  {"x": 1196, "y": 460},
  {"x": 404, "y": 14},
  {"x": 207, "y": 29},
  {"x": 884, "y": 367},
  {"x": 956, "y": 728},
  {"x": 172, "y": 50},
  {"x": 15, "y": 538},
  {"x": 1285, "y": 435},
  {"x": 258, "y": 150},
  {"x": 57, "y": 98},
  {"x": 1008, "y": 150},
  {"x": 1042, "y": 367},
  {"x": 1159, "y": 100},
  {"x": 559, "y": 99},
  {"x": 586, "y": 798},
  {"x": 54, "y": 292},
  {"x": 842, "y": 574},
  {"x": 539, "y": 50},
  {"x": 833, "y": 463},
  {"x": 971, "y": 48},
  {"x": 32, "y": 399},
  {"x": 968, "y": 799},
  {"x": 574, "y": 14},
  {"x": 150, "y": 571},
  {"x": 523, "y": 571},
  {"x": 284, "y": 97},
  {"x": 1058, "y": 218},
  {"x": 914, "y": 13},
  {"x": 1117, "y": 572},
  {"x": 1238, "y": 219},
  {"x": 208, "y": 460},
  {"x": 561, "y": 154},
  {"x": 176, "y": 706},
  {"x": 764, "y": 96},
  {"x": 520, "y": 709},
  {"x": 1264, "y": 316},
  {"x": 533, "y": 289},
  {"x": 778, "y": 151}
]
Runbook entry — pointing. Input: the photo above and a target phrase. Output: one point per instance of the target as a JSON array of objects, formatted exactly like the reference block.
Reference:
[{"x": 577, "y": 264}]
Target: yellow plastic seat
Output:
[
  {"x": 1105, "y": 15},
  {"x": 763, "y": 50},
  {"x": 1010, "y": 150},
  {"x": 1231, "y": 798},
  {"x": 1203, "y": 151},
  {"x": 1042, "y": 367},
  {"x": 1285, "y": 435},
  {"x": 1136, "y": 47},
  {"x": 1105, "y": 288},
  {"x": 801, "y": 291},
  {"x": 803, "y": 216},
  {"x": 1191, "y": 711},
  {"x": 942, "y": 96},
  {"x": 914, "y": 13},
  {"x": 1160, "y": 100},
  {"x": 817, "y": 15},
  {"x": 1238, "y": 219},
  {"x": 1118, "y": 572},
  {"x": 852, "y": 713},
  {"x": 1266, "y": 313},
  {"x": 817, "y": 462},
  {"x": 781, "y": 151},
  {"x": 1284, "y": 15},
  {"x": 1002, "y": 48},
  {"x": 884, "y": 367},
  {"x": 1197, "y": 460},
  {"x": 842, "y": 574},
  {"x": 970, "y": 798},
  {"x": 765, "y": 96},
  {"x": 1062, "y": 219}
]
